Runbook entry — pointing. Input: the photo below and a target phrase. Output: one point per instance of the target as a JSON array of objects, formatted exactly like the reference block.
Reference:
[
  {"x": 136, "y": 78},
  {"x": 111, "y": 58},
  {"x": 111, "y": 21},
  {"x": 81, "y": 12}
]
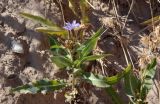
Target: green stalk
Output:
[{"x": 114, "y": 95}]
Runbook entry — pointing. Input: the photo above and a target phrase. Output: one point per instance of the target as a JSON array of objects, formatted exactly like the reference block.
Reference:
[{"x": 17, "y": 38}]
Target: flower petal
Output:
[{"x": 70, "y": 26}]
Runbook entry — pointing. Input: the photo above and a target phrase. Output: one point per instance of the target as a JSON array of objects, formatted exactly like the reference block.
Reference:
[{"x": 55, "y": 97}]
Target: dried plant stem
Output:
[
  {"x": 61, "y": 7},
  {"x": 125, "y": 54},
  {"x": 131, "y": 6},
  {"x": 115, "y": 9},
  {"x": 117, "y": 17},
  {"x": 90, "y": 4},
  {"x": 151, "y": 9},
  {"x": 136, "y": 33},
  {"x": 150, "y": 5},
  {"x": 130, "y": 58}
]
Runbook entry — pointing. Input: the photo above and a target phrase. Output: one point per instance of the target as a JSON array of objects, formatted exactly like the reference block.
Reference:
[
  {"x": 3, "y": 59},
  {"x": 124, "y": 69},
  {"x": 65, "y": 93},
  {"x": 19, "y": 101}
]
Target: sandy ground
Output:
[{"x": 34, "y": 63}]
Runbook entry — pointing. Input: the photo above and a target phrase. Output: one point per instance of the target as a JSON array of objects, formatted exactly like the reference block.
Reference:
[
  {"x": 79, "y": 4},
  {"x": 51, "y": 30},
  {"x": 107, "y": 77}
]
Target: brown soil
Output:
[{"x": 34, "y": 63}]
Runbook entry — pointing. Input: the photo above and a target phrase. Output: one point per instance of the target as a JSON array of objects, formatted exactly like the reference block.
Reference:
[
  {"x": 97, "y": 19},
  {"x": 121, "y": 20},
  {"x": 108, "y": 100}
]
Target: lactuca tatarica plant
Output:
[{"x": 70, "y": 52}]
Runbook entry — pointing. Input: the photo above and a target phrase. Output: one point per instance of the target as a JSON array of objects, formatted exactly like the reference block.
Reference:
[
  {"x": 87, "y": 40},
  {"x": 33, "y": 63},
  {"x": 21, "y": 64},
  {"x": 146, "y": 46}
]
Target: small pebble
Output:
[{"x": 17, "y": 47}]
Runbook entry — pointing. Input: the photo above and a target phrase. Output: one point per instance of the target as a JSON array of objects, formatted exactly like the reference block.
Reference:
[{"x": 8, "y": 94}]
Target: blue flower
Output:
[{"x": 70, "y": 26}]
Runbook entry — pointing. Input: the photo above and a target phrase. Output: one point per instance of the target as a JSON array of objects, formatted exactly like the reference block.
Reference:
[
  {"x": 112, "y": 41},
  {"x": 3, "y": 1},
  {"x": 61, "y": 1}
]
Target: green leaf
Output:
[
  {"x": 90, "y": 58},
  {"x": 38, "y": 19},
  {"x": 148, "y": 76},
  {"x": 56, "y": 47},
  {"x": 52, "y": 30},
  {"x": 114, "y": 95},
  {"x": 88, "y": 48},
  {"x": 149, "y": 21},
  {"x": 150, "y": 70},
  {"x": 138, "y": 88},
  {"x": 101, "y": 81},
  {"x": 62, "y": 61},
  {"x": 94, "y": 57},
  {"x": 40, "y": 86},
  {"x": 90, "y": 44},
  {"x": 131, "y": 85},
  {"x": 84, "y": 7},
  {"x": 96, "y": 35},
  {"x": 115, "y": 79},
  {"x": 96, "y": 80},
  {"x": 53, "y": 41},
  {"x": 58, "y": 50}
]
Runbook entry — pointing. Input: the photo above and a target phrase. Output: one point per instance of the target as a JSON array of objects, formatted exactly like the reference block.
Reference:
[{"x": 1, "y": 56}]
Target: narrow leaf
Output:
[
  {"x": 52, "y": 30},
  {"x": 114, "y": 95},
  {"x": 96, "y": 80},
  {"x": 88, "y": 48},
  {"x": 151, "y": 69},
  {"x": 101, "y": 81},
  {"x": 131, "y": 85},
  {"x": 38, "y": 19},
  {"x": 62, "y": 61},
  {"x": 40, "y": 86},
  {"x": 115, "y": 79},
  {"x": 84, "y": 7},
  {"x": 56, "y": 47},
  {"x": 53, "y": 42},
  {"x": 96, "y": 35},
  {"x": 90, "y": 44},
  {"x": 148, "y": 76},
  {"x": 94, "y": 57},
  {"x": 149, "y": 21},
  {"x": 91, "y": 58}
]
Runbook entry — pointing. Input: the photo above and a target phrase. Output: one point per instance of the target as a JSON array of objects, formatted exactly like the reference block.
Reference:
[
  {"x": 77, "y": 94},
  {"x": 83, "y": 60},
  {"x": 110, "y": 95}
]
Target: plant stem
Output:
[{"x": 114, "y": 95}]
